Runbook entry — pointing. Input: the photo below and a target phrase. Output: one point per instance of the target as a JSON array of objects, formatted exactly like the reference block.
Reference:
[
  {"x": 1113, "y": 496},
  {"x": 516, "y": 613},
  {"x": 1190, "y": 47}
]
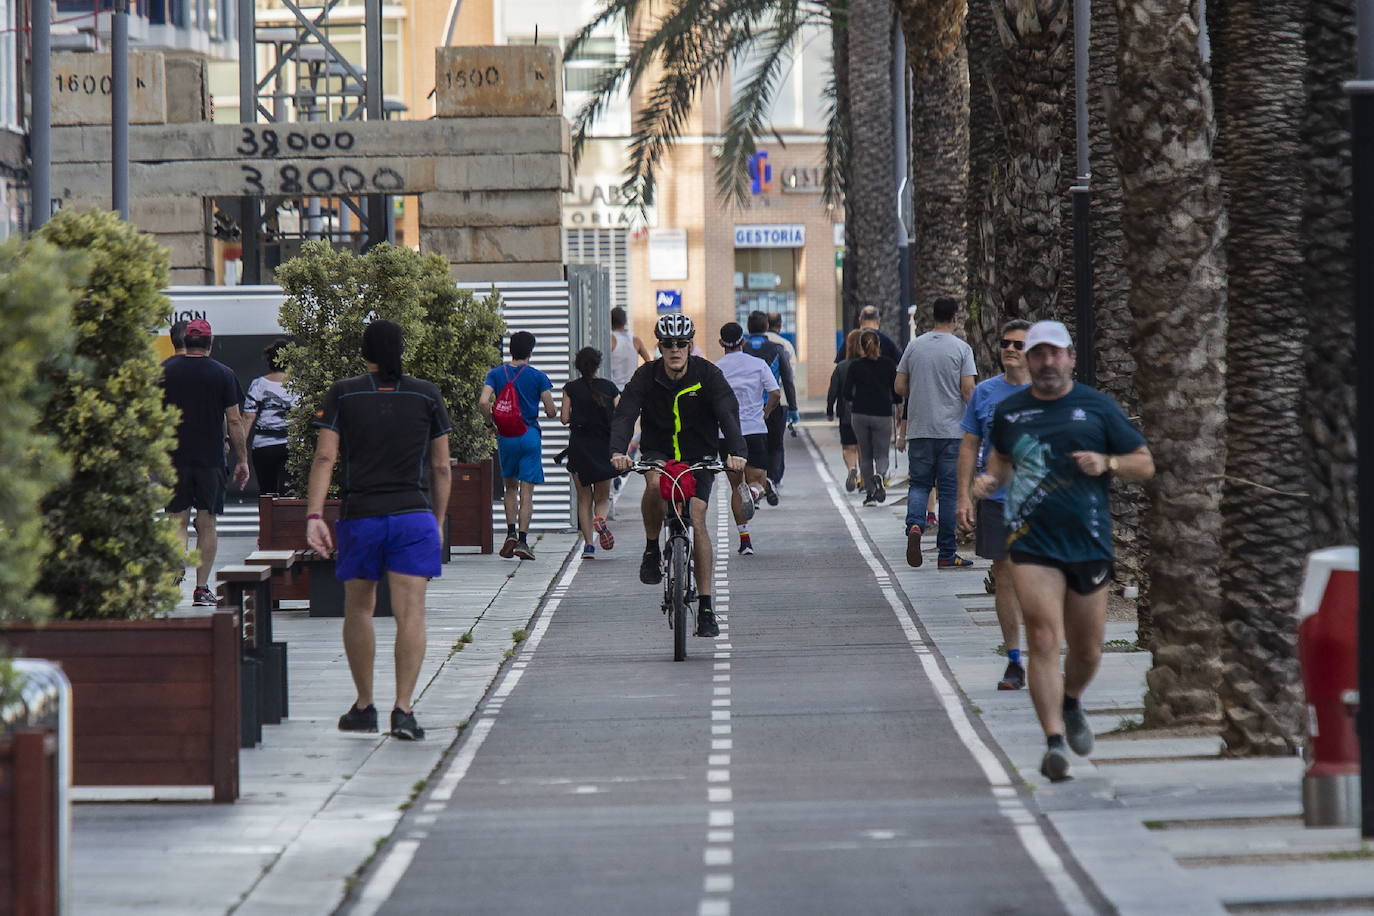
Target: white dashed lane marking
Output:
[{"x": 719, "y": 854}]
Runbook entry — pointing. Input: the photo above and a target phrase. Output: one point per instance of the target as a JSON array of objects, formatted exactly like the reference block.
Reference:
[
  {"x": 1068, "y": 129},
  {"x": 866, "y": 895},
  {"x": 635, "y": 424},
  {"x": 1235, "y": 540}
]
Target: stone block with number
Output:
[
  {"x": 494, "y": 244},
  {"x": 498, "y": 80},
  {"x": 490, "y": 208},
  {"x": 82, "y": 88},
  {"x": 508, "y": 272}
]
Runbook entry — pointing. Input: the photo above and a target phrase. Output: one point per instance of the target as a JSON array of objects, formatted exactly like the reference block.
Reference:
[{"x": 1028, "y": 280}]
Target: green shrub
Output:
[
  {"x": 112, "y": 555},
  {"x": 331, "y": 296},
  {"x": 38, "y": 285}
]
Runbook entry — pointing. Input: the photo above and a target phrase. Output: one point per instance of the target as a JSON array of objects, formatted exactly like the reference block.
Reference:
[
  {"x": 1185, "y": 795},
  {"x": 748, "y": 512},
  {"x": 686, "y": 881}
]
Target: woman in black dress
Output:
[{"x": 588, "y": 403}]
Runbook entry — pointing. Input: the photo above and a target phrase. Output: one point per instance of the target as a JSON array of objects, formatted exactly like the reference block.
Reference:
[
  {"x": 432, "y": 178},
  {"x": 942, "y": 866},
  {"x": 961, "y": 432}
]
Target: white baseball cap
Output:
[{"x": 1048, "y": 332}]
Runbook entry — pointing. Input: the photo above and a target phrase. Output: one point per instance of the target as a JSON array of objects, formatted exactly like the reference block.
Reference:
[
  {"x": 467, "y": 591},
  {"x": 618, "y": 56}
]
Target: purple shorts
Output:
[{"x": 406, "y": 544}]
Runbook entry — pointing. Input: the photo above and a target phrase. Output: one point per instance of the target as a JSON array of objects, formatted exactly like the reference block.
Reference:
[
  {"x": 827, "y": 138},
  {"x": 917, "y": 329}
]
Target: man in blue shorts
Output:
[
  {"x": 987, "y": 517},
  {"x": 383, "y": 425},
  {"x": 522, "y": 459},
  {"x": 1059, "y": 442}
]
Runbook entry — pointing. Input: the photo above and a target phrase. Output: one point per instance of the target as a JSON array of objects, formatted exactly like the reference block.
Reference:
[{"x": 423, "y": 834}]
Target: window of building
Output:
[
  {"x": 10, "y": 65},
  {"x": 766, "y": 281},
  {"x": 583, "y": 73}
]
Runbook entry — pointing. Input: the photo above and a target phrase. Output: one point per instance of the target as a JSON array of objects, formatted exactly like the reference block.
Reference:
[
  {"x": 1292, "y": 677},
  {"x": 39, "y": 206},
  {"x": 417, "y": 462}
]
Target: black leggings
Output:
[{"x": 269, "y": 463}]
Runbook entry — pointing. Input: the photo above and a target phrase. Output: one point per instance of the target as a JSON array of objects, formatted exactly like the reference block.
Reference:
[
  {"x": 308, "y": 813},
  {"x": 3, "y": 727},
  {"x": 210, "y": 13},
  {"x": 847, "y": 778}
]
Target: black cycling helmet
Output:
[{"x": 675, "y": 326}]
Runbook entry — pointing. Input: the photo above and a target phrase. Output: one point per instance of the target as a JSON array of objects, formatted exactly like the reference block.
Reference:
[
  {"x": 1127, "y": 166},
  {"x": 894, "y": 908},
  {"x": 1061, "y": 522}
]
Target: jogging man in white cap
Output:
[{"x": 1059, "y": 442}]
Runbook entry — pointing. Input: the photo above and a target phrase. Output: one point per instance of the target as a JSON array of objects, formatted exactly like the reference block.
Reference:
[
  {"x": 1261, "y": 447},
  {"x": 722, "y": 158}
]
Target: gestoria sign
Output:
[{"x": 781, "y": 236}]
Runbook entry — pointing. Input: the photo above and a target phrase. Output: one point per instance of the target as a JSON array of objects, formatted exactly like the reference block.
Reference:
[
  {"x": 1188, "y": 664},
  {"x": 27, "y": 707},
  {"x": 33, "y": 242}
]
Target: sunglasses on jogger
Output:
[
  {"x": 675, "y": 344},
  {"x": 1014, "y": 344}
]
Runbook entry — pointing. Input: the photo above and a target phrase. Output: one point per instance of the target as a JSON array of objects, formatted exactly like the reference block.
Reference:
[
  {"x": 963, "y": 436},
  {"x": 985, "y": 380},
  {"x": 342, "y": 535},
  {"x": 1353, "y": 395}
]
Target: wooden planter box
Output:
[
  {"x": 281, "y": 526},
  {"x": 28, "y": 822},
  {"x": 154, "y": 702},
  {"x": 469, "y": 506}
]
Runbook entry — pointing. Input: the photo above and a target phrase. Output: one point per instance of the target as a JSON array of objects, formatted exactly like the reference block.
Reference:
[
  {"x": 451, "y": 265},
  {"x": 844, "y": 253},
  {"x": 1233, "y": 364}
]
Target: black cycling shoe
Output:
[
  {"x": 706, "y": 624},
  {"x": 359, "y": 720},
  {"x": 651, "y": 566}
]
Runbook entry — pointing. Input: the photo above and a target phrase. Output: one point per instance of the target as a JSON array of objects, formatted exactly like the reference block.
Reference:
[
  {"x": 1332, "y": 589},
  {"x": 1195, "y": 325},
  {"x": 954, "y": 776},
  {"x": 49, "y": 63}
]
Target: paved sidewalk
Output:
[
  {"x": 315, "y": 802},
  {"x": 1163, "y": 825}
]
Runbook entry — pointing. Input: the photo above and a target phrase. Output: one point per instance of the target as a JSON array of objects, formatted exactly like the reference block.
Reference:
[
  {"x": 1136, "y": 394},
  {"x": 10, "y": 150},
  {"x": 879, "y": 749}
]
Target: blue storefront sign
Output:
[
  {"x": 779, "y": 236},
  {"x": 668, "y": 300}
]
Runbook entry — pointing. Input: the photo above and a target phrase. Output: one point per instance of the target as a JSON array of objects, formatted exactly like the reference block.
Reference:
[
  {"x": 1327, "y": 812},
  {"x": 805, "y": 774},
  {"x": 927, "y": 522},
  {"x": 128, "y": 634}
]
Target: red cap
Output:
[{"x": 199, "y": 328}]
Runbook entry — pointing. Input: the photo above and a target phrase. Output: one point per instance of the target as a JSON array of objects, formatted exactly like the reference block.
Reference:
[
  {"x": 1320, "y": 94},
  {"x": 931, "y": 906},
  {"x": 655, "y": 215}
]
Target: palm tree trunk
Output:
[
  {"x": 938, "y": 59},
  {"x": 871, "y": 227},
  {"x": 1327, "y": 278},
  {"x": 940, "y": 166},
  {"x": 1030, "y": 100},
  {"x": 987, "y": 173},
  {"x": 1258, "y": 59},
  {"x": 1174, "y": 225},
  {"x": 1111, "y": 305}
]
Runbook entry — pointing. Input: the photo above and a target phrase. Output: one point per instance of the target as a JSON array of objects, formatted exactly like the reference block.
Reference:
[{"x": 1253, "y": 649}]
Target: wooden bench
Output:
[{"x": 264, "y": 677}]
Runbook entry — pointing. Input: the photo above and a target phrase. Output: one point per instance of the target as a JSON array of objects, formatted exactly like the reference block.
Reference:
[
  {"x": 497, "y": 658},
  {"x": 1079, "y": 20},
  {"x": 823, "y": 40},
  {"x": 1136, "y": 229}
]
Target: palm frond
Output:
[
  {"x": 750, "y": 106},
  {"x": 688, "y": 49}
]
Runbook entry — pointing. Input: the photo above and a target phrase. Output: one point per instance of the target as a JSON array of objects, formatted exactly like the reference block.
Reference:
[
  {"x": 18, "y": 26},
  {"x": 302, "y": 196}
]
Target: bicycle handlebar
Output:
[{"x": 643, "y": 467}]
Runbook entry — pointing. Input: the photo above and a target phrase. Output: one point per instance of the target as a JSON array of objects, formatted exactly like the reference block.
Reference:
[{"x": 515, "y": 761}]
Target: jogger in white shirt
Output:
[{"x": 759, "y": 395}]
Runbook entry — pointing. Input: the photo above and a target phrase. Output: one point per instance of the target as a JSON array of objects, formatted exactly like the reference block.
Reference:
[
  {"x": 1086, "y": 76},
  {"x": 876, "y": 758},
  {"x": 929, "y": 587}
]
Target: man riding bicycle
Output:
[{"x": 680, "y": 401}]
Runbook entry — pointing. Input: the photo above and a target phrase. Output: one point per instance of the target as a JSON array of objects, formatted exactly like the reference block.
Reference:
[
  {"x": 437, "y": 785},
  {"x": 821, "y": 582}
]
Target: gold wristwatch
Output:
[{"x": 1112, "y": 464}]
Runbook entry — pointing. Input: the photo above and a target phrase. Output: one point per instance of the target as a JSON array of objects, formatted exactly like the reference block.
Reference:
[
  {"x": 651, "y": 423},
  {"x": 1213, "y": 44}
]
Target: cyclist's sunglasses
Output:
[
  {"x": 1014, "y": 344},
  {"x": 679, "y": 343}
]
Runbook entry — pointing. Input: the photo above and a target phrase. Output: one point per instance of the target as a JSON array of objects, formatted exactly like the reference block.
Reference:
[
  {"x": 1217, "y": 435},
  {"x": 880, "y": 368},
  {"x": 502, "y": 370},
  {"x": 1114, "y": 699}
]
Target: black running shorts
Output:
[
  {"x": 1082, "y": 578},
  {"x": 199, "y": 488}
]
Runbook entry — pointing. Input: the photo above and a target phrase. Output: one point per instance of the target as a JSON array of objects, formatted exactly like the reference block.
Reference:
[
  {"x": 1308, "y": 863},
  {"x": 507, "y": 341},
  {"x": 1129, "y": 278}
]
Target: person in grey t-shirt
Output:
[{"x": 936, "y": 373}]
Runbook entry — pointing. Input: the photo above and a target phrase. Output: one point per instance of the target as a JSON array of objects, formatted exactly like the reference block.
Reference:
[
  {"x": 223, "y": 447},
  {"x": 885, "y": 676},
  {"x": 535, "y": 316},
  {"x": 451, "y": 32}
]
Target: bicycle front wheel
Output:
[{"x": 677, "y": 595}]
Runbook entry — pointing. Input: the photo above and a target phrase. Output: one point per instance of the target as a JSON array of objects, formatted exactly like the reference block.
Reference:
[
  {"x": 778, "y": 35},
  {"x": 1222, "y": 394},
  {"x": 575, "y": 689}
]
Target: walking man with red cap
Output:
[
  {"x": 1059, "y": 442},
  {"x": 208, "y": 395}
]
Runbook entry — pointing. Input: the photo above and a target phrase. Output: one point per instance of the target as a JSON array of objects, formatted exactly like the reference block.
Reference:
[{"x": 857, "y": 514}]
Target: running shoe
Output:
[
  {"x": 913, "y": 546},
  {"x": 603, "y": 534},
  {"x": 851, "y": 483},
  {"x": 746, "y": 546},
  {"x": 507, "y": 548},
  {"x": 770, "y": 491},
  {"x": 954, "y": 562},
  {"x": 1014, "y": 678},
  {"x": 879, "y": 491},
  {"x": 1078, "y": 732},
  {"x": 931, "y": 519},
  {"x": 869, "y": 502},
  {"x": 706, "y": 624},
  {"x": 522, "y": 550},
  {"x": 203, "y": 597},
  {"x": 359, "y": 720},
  {"x": 404, "y": 726},
  {"x": 746, "y": 500},
  {"x": 651, "y": 566},
  {"x": 588, "y": 552},
  {"x": 1054, "y": 766}
]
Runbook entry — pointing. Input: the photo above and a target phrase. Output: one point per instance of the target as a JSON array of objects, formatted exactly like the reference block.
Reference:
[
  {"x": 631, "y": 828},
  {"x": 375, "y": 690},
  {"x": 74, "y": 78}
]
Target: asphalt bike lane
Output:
[{"x": 811, "y": 759}]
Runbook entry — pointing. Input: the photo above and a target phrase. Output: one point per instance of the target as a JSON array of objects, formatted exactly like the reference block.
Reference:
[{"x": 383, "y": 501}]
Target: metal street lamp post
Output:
[
  {"x": 119, "y": 108},
  {"x": 1361, "y": 93},
  {"x": 40, "y": 133},
  {"x": 1082, "y": 201}
]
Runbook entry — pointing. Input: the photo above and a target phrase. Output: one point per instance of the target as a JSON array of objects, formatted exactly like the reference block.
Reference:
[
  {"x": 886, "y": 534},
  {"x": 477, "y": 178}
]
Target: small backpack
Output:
[{"x": 505, "y": 413}]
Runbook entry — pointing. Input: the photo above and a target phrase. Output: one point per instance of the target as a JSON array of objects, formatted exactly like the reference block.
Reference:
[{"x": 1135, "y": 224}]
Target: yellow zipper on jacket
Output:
[{"x": 677, "y": 419}]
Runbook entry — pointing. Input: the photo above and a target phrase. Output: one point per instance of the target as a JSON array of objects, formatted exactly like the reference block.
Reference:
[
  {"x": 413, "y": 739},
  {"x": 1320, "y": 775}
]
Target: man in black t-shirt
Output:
[
  {"x": 391, "y": 433},
  {"x": 1056, "y": 445},
  {"x": 208, "y": 394}
]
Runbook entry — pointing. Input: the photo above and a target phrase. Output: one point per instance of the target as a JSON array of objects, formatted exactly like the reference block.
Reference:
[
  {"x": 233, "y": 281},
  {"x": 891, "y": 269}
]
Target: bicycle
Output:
[{"x": 678, "y": 590}]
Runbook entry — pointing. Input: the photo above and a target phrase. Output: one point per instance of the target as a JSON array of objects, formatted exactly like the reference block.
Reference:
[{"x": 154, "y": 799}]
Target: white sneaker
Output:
[{"x": 746, "y": 500}]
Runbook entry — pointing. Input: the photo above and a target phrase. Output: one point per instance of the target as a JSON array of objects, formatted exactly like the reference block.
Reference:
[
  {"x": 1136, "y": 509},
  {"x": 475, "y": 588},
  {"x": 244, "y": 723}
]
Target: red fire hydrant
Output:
[{"x": 1328, "y": 649}]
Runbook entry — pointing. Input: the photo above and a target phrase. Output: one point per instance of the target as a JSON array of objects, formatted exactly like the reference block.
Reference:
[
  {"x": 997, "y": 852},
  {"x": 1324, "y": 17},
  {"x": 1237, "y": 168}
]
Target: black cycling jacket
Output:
[{"x": 678, "y": 417}]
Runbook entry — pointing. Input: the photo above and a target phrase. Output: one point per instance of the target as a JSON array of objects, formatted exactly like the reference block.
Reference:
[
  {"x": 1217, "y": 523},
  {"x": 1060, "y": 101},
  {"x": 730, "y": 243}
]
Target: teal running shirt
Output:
[{"x": 1053, "y": 509}]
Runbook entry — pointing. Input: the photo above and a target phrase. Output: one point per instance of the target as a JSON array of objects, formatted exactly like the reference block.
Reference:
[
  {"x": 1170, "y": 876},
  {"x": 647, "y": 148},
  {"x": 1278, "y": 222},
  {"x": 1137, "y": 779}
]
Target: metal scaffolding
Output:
[{"x": 309, "y": 79}]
